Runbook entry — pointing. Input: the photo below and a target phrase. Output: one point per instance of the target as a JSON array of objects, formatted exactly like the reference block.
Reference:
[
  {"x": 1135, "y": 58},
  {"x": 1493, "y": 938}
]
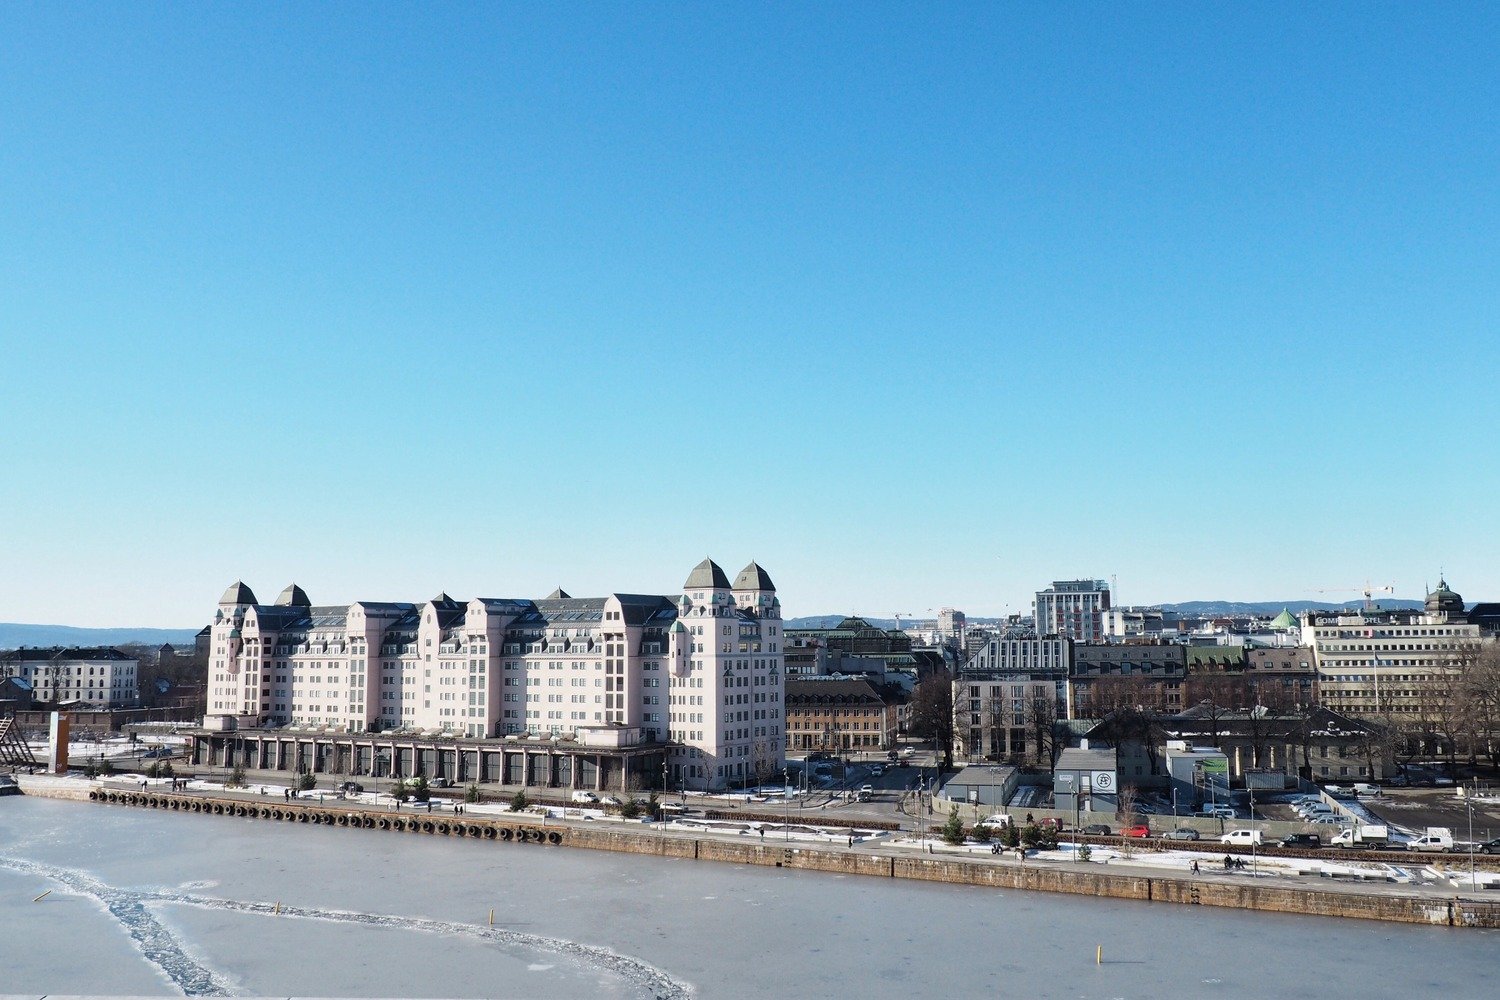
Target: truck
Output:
[
  {"x": 1437, "y": 840},
  {"x": 1362, "y": 837}
]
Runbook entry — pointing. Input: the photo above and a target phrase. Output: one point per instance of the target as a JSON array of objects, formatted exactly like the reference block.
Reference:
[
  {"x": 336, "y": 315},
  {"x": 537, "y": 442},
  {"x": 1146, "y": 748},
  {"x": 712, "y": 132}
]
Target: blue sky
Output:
[{"x": 916, "y": 307}]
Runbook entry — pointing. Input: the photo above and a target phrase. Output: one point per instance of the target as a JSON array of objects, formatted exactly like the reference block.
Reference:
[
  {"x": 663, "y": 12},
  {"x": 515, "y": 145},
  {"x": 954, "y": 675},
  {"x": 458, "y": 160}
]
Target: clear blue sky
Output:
[{"x": 915, "y": 306}]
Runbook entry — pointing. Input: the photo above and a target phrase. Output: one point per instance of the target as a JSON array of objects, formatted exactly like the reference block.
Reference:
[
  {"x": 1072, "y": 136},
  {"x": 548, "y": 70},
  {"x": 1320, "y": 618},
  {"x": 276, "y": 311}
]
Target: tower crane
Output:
[{"x": 1367, "y": 590}]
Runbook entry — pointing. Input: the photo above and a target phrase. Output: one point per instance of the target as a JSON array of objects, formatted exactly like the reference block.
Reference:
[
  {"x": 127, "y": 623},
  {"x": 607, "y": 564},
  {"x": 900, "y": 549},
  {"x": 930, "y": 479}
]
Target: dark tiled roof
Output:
[
  {"x": 63, "y": 654},
  {"x": 707, "y": 576},
  {"x": 238, "y": 593},
  {"x": 752, "y": 577}
]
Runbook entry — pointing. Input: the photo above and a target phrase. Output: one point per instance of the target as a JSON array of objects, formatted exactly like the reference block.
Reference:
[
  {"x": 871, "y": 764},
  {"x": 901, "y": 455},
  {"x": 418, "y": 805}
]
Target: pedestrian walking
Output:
[{"x": 1195, "y": 867}]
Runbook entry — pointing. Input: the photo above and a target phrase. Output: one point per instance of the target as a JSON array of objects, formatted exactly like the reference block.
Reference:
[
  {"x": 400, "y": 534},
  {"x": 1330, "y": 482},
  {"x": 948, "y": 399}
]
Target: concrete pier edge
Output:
[{"x": 1040, "y": 877}]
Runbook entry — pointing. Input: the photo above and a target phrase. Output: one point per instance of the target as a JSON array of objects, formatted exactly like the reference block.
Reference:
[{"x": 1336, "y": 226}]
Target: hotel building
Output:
[
  {"x": 1378, "y": 662},
  {"x": 683, "y": 689}
]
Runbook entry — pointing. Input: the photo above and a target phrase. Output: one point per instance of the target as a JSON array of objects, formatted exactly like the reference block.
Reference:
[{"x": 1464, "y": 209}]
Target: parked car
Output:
[
  {"x": 1490, "y": 846},
  {"x": 1218, "y": 811},
  {"x": 1304, "y": 840},
  {"x": 1242, "y": 837},
  {"x": 440, "y": 782},
  {"x": 877, "y": 770},
  {"x": 609, "y": 800},
  {"x": 1096, "y": 830},
  {"x": 1135, "y": 830},
  {"x": 351, "y": 786},
  {"x": 1181, "y": 833}
]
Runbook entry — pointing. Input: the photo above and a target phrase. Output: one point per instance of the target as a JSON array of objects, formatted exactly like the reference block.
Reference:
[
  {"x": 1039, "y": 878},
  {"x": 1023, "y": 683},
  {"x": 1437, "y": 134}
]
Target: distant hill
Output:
[
  {"x": 14, "y": 636},
  {"x": 829, "y": 621},
  {"x": 1217, "y": 609},
  {"x": 1185, "y": 609}
]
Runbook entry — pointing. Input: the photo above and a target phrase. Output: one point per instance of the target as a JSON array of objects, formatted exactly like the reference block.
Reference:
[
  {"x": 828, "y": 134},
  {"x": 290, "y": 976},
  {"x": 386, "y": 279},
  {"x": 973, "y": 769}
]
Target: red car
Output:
[{"x": 1139, "y": 830}]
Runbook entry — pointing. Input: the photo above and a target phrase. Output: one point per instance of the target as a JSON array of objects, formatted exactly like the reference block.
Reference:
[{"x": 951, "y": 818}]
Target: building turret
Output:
[
  {"x": 293, "y": 597},
  {"x": 755, "y": 593}
]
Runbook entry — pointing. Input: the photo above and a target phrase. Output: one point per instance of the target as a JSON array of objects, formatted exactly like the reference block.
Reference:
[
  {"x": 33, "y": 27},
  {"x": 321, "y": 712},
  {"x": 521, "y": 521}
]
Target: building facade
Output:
[
  {"x": 1110, "y": 676},
  {"x": 1389, "y": 662},
  {"x": 837, "y": 714},
  {"x": 1008, "y": 695},
  {"x": 1072, "y": 608},
  {"x": 699, "y": 673},
  {"x": 98, "y": 677}
]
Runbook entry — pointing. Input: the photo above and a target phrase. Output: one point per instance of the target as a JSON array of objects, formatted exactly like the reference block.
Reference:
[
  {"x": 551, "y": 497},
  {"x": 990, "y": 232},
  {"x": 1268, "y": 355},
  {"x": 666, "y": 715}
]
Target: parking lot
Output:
[{"x": 1418, "y": 808}]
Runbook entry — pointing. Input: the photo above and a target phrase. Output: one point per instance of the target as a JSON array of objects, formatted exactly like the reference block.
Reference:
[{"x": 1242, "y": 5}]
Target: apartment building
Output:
[
  {"x": 99, "y": 677},
  {"x": 700, "y": 673},
  {"x": 838, "y": 714},
  {"x": 1007, "y": 694},
  {"x": 1073, "y": 609}
]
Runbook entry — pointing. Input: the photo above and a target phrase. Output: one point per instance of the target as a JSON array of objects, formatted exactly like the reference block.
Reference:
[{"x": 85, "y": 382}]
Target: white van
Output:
[
  {"x": 585, "y": 797},
  {"x": 1365, "y": 790},
  {"x": 1218, "y": 811},
  {"x": 1244, "y": 838}
]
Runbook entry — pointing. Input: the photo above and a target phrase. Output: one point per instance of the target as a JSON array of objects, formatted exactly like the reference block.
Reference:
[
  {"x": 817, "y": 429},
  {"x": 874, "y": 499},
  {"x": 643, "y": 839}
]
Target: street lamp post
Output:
[
  {"x": 1469, "y": 803},
  {"x": 1254, "y": 871},
  {"x": 786, "y": 781}
]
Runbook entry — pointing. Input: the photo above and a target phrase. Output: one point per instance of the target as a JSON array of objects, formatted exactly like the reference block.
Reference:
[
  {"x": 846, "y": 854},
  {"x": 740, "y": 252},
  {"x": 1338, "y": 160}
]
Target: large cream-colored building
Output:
[
  {"x": 99, "y": 677},
  {"x": 1387, "y": 662},
  {"x": 699, "y": 673}
]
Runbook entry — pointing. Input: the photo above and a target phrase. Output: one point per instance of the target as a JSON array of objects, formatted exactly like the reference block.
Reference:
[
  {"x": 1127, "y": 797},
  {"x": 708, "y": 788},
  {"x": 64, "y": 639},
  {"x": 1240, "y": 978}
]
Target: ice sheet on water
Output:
[{"x": 161, "y": 948}]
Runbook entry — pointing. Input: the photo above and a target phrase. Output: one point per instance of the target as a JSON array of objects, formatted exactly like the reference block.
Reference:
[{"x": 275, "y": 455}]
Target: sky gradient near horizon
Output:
[{"x": 916, "y": 307}]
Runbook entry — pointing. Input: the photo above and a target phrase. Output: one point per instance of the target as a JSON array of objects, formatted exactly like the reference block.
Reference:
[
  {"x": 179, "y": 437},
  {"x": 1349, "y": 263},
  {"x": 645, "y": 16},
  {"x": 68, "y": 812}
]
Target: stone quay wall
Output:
[{"x": 1394, "y": 907}]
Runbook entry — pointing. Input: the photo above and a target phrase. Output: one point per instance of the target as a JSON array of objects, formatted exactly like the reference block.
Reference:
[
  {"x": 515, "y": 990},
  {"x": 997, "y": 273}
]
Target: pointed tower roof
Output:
[
  {"x": 559, "y": 595},
  {"x": 293, "y": 597},
  {"x": 444, "y": 601},
  {"x": 1284, "y": 620},
  {"x": 238, "y": 593},
  {"x": 707, "y": 576},
  {"x": 752, "y": 577}
]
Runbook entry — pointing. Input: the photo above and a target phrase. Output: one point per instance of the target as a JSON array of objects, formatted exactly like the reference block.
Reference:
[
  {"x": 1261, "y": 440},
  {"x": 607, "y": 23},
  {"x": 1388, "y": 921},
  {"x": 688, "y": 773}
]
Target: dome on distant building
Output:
[
  {"x": 752, "y": 577},
  {"x": 238, "y": 593},
  {"x": 1444, "y": 601},
  {"x": 1284, "y": 620},
  {"x": 293, "y": 597},
  {"x": 706, "y": 576}
]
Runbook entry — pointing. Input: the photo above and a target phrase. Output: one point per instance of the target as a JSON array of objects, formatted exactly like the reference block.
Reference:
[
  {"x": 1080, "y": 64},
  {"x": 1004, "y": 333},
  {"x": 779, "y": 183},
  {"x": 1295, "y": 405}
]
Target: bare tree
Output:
[
  {"x": 932, "y": 713},
  {"x": 1480, "y": 693},
  {"x": 1130, "y": 707},
  {"x": 1214, "y": 697},
  {"x": 1041, "y": 724}
]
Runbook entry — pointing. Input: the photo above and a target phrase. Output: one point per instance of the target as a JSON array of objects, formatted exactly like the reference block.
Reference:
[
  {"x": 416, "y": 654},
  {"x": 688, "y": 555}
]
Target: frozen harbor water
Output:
[{"x": 147, "y": 903}]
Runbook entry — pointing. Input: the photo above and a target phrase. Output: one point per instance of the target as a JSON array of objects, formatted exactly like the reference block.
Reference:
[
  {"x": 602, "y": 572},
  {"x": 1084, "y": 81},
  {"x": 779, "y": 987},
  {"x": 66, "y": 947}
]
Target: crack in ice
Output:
[
  {"x": 157, "y": 944},
  {"x": 153, "y": 940}
]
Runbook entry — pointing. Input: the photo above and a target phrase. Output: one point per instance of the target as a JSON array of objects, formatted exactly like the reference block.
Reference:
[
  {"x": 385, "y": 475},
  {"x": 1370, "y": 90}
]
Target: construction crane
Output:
[
  {"x": 898, "y": 615},
  {"x": 1368, "y": 590}
]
